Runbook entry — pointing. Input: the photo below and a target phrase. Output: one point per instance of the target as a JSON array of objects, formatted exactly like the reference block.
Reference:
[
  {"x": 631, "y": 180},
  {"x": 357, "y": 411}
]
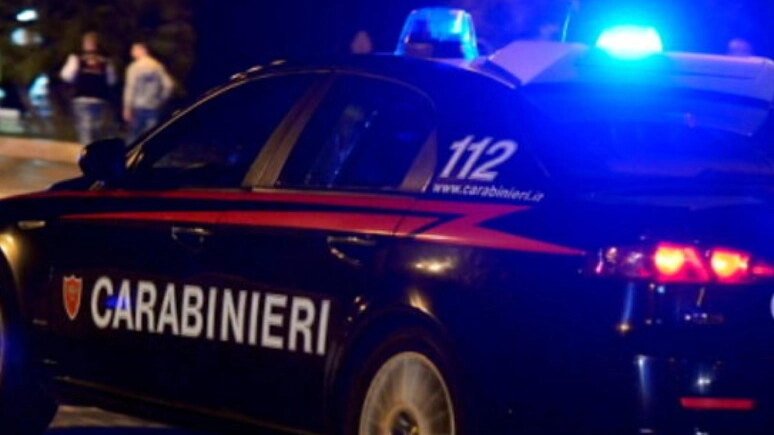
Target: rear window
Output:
[{"x": 601, "y": 133}]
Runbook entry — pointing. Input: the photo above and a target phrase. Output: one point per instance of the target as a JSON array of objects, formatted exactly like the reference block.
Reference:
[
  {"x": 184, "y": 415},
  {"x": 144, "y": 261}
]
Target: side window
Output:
[
  {"x": 485, "y": 151},
  {"x": 365, "y": 135},
  {"x": 214, "y": 144}
]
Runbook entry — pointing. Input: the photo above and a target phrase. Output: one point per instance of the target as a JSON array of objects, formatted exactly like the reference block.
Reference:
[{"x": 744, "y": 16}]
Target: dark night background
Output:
[
  {"x": 203, "y": 42},
  {"x": 235, "y": 34}
]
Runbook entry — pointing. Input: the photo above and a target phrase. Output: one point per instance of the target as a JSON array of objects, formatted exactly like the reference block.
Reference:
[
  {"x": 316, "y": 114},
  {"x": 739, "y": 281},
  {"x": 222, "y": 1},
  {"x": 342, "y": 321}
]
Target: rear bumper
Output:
[
  {"x": 647, "y": 395},
  {"x": 571, "y": 367},
  {"x": 679, "y": 396}
]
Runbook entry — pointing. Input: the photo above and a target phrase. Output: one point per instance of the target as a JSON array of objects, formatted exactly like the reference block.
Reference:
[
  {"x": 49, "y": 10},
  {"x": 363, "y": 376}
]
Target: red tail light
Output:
[
  {"x": 730, "y": 265},
  {"x": 678, "y": 263},
  {"x": 669, "y": 260},
  {"x": 762, "y": 270}
]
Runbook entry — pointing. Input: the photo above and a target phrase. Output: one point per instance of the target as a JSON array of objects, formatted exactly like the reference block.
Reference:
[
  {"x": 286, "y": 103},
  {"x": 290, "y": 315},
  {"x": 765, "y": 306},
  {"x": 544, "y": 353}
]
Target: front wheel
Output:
[
  {"x": 406, "y": 385},
  {"x": 24, "y": 408}
]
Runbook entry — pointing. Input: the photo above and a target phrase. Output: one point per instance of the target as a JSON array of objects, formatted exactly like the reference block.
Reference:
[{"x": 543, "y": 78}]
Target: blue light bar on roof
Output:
[
  {"x": 630, "y": 42},
  {"x": 438, "y": 32}
]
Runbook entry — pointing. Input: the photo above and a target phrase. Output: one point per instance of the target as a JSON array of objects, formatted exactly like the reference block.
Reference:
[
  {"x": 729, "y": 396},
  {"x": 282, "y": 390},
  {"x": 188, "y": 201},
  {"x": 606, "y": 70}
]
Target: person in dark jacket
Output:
[{"x": 93, "y": 75}]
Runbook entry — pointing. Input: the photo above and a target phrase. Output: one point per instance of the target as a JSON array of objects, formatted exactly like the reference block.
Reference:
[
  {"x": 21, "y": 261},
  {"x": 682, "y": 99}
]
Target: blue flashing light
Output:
[
  {"x": 630, "y": 42},
  {"x": 438, "y": 32}
]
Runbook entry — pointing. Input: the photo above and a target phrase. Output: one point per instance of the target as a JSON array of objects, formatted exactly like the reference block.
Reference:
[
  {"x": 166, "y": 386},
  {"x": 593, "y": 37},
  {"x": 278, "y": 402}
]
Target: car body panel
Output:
[{"x": 260, "y": 297}]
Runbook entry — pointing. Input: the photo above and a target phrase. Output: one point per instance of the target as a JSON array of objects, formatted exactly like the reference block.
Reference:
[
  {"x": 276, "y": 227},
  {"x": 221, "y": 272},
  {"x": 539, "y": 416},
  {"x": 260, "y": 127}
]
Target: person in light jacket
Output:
[{"x": 148, "y": 87}]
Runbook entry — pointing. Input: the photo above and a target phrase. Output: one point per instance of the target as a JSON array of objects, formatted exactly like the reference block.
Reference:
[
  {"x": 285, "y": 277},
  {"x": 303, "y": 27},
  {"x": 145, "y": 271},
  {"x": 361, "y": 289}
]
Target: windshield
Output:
[{"x": 598, "y": 134}]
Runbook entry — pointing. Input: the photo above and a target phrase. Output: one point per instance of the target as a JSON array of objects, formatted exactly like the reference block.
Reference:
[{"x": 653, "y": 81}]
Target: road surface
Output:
[{"x": 22, "y": 176}]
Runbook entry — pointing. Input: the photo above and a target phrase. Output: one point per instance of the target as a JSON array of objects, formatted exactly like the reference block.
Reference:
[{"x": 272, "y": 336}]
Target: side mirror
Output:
[{"x": 104, "y": 160}]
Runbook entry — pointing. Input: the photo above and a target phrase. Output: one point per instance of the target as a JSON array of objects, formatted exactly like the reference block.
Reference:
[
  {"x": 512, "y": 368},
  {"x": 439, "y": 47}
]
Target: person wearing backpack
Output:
[{"x": 92, "y": 75}]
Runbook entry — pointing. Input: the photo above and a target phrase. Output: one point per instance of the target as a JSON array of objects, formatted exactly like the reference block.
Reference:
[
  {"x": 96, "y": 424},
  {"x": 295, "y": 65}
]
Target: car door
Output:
[
  {"x": 131, "y": 269},
  {"x": 312, "y": 240}
]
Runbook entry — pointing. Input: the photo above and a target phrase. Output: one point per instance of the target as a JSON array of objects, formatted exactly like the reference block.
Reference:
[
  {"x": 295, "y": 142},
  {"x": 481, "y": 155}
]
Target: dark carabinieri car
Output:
[{"x": 553, "y": 239}]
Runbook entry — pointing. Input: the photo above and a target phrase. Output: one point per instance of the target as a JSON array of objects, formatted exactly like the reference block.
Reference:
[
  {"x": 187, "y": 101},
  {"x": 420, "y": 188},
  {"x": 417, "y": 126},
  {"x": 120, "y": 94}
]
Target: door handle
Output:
[
  {"x": 350, "y": 249},
  {"x": 31, "y": 225},
  {"x": 190, "y": 237}
]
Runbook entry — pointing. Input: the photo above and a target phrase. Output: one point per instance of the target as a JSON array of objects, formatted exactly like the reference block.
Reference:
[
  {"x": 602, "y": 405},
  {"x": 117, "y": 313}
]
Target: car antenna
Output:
[{"x": 572, "y": 6}]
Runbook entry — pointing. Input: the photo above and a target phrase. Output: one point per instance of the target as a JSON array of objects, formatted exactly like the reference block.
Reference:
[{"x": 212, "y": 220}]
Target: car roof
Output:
[
  {"x": 541, "y": 62},
  {"x": 433, "y": 76},
  {"x": 720, "y": 92},
  {"x": 535, "y": 62}
]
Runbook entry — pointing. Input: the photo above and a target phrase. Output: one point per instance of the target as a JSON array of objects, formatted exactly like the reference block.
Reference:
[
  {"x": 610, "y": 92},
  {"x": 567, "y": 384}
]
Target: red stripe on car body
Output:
[{"x": 447, "y": 222}]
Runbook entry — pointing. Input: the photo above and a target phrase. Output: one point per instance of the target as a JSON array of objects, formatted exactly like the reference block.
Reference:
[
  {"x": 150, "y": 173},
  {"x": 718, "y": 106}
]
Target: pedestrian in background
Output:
[
  {"x": 148, "y": 87},
  {"x": 361, "y": 43},
  {"x": 92, "y": 74},
  {"x": 739, "y": 47}
]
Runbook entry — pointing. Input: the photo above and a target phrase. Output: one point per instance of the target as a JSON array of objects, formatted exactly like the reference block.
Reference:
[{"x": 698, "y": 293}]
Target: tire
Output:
[
  {"x": 24, "y": 407},
  {"x": 405, "y": 388}
]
